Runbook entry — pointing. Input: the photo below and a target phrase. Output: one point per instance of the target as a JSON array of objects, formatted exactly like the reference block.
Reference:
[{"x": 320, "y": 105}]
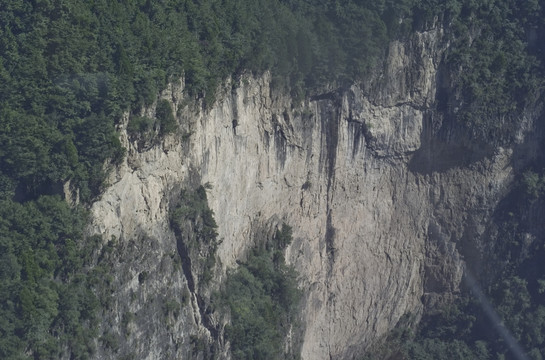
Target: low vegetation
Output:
[{"x": 261, "y": 297}]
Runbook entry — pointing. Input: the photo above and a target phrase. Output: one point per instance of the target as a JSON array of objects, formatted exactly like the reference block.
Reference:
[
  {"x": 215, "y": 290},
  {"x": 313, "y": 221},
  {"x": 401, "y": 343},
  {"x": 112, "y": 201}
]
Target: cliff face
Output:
[{"x": 377, "y": 199}]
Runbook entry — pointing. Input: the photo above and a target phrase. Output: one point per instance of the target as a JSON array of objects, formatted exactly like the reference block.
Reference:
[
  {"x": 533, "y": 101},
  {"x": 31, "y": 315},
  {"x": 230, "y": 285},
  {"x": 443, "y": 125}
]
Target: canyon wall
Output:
[{"x": 377, "y": 200}]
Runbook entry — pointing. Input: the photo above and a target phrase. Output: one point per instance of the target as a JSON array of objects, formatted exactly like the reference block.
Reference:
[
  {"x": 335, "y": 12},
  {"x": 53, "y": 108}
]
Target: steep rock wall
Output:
[{"x": 375, "y": 220}]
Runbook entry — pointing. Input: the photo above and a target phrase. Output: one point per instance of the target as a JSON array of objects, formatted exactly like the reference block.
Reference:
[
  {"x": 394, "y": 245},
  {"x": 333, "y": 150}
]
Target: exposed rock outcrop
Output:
[{"x": 377, "y": 204}]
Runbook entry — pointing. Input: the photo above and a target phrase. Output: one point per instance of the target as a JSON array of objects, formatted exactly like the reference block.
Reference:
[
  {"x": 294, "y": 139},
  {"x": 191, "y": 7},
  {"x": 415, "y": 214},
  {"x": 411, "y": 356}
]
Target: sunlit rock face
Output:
[{"x": 377, "y": 201}]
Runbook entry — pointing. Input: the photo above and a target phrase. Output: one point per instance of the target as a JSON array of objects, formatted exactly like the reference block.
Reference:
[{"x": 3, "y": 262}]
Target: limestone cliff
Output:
[{"x": 377, "y": 199}]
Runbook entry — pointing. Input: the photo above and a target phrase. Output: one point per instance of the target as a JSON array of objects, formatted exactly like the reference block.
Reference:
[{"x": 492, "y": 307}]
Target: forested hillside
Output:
[{"x": 70, "y": 69}]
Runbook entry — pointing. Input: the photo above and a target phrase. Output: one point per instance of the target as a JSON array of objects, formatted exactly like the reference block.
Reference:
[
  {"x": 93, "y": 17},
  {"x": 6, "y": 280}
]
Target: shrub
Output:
[
  {"x": 139, "y": 125},
  {"x": 163, "y": 112}
]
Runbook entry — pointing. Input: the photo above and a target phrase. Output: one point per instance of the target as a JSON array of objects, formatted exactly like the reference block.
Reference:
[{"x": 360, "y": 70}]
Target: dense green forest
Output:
[{"x": 69, "y": 69}]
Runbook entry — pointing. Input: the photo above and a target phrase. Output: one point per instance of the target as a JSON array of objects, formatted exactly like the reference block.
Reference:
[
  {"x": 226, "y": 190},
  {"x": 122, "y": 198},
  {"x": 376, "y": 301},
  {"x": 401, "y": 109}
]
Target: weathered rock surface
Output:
[{"x": 376, "y": 209}]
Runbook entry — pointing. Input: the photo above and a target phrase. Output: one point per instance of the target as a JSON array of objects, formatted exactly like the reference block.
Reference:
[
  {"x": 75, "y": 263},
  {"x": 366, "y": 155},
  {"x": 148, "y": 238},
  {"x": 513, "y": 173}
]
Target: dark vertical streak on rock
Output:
[
  {"x": 330, "y": 129},
  {"x": 280, "y": 140},
  {"x": 329, "y": 240},
  {"x": 186, "y": 260}
]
